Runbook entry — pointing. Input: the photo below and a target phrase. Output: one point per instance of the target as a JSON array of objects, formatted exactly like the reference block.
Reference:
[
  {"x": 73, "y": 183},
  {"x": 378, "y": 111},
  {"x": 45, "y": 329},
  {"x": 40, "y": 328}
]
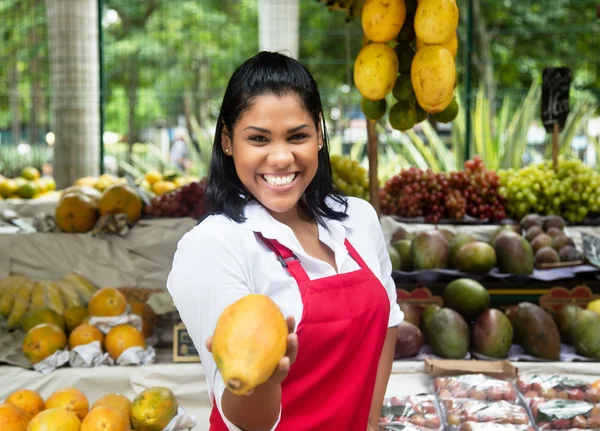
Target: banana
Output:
[
  {"x": 54, "y": 299},
  {"x": 20, "y": 305},
  {"x": 69, "y": 293},
  {"x": 7, "y": 293},
  {"x": 38, "y": 295},
  {"x": 84, "y": 287}
]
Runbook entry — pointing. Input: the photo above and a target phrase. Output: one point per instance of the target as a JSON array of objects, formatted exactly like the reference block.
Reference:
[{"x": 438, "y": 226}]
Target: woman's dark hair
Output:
[{"x": 268, "y": 73}]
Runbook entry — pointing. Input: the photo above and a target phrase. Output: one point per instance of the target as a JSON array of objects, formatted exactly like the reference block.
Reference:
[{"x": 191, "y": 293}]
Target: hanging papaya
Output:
[{"x": 249, "y": 341}]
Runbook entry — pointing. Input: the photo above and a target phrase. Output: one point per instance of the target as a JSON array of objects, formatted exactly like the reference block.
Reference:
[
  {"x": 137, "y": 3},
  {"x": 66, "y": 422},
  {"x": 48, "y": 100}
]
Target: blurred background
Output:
[{"x": 165, "y": 65}]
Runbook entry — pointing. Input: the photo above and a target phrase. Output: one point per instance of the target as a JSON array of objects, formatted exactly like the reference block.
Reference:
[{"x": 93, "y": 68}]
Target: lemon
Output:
[
  {"x": 433, "y": 75},
  {"x": 449, "y": 113},
  {"x": 451, "y": 45},
  {"x": 421, "y": 114},
  {"x": 403, "y": 90},
  {"x": 375, "y": 70},
  {"x": 30, "y": 173},
  {"x": 153, "y": 176},
  {"x": 402, "y": 116},
  {"x": 27, "y": 190},
  {"x": 382, "y": 19},
  {"x": 594, "y": 306},
  {"x": 436, "y": 21},
  {"x": 373, "y": 109},
  {"x": 8, "y": 187}
]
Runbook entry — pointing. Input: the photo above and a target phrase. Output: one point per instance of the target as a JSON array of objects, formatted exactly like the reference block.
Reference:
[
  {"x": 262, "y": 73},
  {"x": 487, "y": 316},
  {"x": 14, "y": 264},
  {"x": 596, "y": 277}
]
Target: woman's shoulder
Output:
[
  {"x": 214, "y": 230},
  {"x": 360, "y": 210}
]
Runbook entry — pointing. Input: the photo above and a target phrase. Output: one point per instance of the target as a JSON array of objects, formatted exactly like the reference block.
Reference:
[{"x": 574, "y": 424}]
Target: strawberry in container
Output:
[
  {"x": 419, "y": 411},
  {"x": 500, "y": 412},
  {"x": 475, "y": 386},
  {"x": 554, "y": 386},
  {"x": 559, "y": 414},
  {"x": 476, "y": 426}
]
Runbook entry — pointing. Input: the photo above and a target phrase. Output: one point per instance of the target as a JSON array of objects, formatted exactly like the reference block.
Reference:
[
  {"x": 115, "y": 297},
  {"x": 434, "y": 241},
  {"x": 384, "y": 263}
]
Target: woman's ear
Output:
[{"x": 226, "y": 142}]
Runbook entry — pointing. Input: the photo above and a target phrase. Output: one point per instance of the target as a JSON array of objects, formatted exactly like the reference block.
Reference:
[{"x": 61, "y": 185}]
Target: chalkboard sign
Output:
[
  {"x": 555, "y": 97},
  {"x": 183, "y": 346}
]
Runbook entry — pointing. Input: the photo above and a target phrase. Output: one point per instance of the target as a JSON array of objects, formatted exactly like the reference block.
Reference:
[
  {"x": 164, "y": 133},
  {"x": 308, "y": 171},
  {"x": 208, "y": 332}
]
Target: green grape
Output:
[{"x": 350, "y": 177}]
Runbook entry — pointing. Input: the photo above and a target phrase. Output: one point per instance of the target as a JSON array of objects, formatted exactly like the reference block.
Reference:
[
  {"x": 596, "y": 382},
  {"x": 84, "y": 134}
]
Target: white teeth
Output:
[{"x": 279, "y": 181}]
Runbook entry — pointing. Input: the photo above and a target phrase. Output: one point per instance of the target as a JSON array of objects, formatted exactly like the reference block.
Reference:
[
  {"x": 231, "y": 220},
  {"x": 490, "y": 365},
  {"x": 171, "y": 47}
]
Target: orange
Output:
[
  {"x": 13, "y": 418},
  {"x": 42, "y": 341},
  {"x": 105, "y": 419},
  {"x": 148, "y": 317},
  {"x": 71, "y": 399},
  {"x": 74, "y": 316},
  {"x": 121, "y": 338},
  {"x": 85, "y": 334},
  {"x": 107, "y": 301},
  {"x": 28, "y": 400},
  {"x": 119, "y": 199},
  {"x": 55, "y": 419},
  {"x": 115, "y": 401},
  {"x": 153, "y": 409}
]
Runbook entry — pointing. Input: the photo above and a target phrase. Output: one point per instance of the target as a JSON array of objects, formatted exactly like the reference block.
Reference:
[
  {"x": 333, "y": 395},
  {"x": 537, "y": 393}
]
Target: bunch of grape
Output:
[
  {"x": 186, "y": 201},
  {"x": 573, "y": 191},
  {"x": 480, "y": 189},
  {"x": 349, "y": 177},
  {"x": 417, "y": 193}
]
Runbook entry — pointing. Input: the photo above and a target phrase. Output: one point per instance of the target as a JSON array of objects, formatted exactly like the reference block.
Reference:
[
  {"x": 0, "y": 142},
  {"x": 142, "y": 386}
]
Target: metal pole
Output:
[
  {"x": 468, "y": 52},
  {"x": 102, "y": 83}
]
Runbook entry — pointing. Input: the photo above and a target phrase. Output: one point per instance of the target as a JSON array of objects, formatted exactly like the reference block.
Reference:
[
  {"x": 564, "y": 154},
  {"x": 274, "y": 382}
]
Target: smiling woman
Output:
[{"x": 278, "y": 227}]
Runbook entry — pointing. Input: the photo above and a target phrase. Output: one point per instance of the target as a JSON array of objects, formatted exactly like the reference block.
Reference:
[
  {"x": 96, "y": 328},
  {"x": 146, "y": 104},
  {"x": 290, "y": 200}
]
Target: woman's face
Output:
[{"x": 275, "y": 150}]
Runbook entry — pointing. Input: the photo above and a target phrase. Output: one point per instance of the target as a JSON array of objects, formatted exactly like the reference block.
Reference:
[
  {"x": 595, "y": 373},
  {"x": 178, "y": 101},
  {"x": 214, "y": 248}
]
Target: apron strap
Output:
[
  {"x": 286, "y": 258},
  {"x": 354, "y": 254}
]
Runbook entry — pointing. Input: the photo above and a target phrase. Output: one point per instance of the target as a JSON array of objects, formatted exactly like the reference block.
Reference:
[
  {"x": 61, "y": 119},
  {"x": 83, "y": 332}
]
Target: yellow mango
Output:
[
  {"x": 382, "y": 19},
  {"x": 249, "y": 341},
  {"x": 21, "y": 304}
]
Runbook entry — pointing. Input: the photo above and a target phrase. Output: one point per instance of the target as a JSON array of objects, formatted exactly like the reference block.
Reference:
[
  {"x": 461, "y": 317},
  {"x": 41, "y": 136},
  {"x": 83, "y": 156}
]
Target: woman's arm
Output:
[{"x": 384, "y": 369}]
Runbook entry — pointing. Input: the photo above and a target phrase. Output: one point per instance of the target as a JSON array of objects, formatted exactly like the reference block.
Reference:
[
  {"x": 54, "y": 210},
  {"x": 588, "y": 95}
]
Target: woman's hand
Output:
[{"x": 283, "y": 368}]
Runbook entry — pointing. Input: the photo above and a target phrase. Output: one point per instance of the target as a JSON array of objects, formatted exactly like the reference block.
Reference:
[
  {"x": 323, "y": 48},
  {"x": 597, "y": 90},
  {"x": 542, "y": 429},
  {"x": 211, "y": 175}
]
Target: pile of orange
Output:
[{"x": 68, "y": 409}]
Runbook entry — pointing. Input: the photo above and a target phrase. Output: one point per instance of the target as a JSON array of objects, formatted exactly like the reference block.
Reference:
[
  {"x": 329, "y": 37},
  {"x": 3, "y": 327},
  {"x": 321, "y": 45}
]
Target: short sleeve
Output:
[{"x": 209, "y": 272}]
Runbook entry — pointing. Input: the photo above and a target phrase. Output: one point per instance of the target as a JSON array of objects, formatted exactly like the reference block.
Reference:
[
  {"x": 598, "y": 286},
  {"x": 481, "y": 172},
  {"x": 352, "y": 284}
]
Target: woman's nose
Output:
[{"x": 281, "y": 155}]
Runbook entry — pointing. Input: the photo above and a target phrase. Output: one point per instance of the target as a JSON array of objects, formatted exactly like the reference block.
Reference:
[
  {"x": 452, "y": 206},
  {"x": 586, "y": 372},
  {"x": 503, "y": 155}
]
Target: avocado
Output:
[
  {"x": 553, "y": 221},
  {"x": 560, "y": 241},
  {"x": 532, "y": 232},
  {"x": 531, "y": 220},
  {"x": 513, "y": 254},
  {"x": 449, "y": 334},
  {"x": 429, "y": 250},
  {"x": 492, "y": 334},
  {"x": 467, "y": 297},
  {"x": 426, "y": 317},
  {"x": 475, "y": 257},
  {"x": 585, "y": 332},
  {"x": 565, "y": 318},
  {"x": 545, "y": 255},
  {"x": 538, "y": 333},
  {"x": 457, "y": 241},
  {"x": 569, "y": 254},
  {"x": 541, "y": 241},
  {"x": 403, "y": 248}
]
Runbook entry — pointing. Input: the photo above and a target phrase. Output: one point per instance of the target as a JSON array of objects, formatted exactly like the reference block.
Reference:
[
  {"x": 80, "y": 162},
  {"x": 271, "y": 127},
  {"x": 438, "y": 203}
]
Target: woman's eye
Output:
[
  {"x": 258, "y": 138},
  {"x": 299, "y": 137}
]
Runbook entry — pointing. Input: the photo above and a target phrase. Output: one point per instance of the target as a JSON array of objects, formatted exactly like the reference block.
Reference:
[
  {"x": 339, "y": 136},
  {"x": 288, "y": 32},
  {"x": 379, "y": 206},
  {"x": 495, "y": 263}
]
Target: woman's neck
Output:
[{"x": 294, "y": 218}]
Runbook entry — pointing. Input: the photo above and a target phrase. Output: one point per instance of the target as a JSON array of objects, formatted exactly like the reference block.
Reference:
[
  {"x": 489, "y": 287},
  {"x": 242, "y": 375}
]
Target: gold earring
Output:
[
  {"x": 227, "y": 150},
  {"x": 320, "y": 146}
]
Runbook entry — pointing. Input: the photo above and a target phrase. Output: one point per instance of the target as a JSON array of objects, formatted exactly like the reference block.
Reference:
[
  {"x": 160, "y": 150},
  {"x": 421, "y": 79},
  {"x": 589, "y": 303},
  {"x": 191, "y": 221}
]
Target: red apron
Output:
[{"x": 340, "y": 339}]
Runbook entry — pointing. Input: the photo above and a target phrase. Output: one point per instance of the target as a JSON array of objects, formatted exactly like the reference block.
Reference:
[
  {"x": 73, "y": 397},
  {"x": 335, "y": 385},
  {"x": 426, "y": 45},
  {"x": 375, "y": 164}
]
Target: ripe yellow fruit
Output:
[
  {"x": 433, "y": 75},
  {"x": 451, "y": 45},
  {"x": 249, "y": 341},
  {"x": 436, "y": 21},
  {"x": 383, "y": 19},
  {"x": 375, "y": 70}
]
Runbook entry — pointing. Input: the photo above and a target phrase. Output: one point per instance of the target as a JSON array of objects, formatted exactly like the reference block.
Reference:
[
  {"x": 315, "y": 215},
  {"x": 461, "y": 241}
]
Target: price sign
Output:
[
  {"x": 183, "y": 346},
  {"x": 556, "y": 82}
]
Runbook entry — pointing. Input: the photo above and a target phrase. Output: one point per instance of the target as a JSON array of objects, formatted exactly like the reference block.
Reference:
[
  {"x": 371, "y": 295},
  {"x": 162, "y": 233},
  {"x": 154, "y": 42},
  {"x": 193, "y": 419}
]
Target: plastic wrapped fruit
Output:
[
  {"x": 501, "y": 412},
  {"x": 476, "y": 426},
  {"x": 419, "y": 411},
  {"x": 476, "y": 387},
  {"x": 553, "y": 386},
  {"x": 564, "y": 414}
]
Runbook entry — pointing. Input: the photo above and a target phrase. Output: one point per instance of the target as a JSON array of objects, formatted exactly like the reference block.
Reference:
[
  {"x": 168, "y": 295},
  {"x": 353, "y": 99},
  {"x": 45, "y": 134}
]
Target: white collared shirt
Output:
[{"x": 219, "y": 261}]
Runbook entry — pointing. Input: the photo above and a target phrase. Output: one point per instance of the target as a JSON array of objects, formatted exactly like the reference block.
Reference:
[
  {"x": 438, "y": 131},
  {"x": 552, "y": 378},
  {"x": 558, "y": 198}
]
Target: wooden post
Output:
[
  {"x": 372, "y": 152},
  {"x": 555, "y": 147}
]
